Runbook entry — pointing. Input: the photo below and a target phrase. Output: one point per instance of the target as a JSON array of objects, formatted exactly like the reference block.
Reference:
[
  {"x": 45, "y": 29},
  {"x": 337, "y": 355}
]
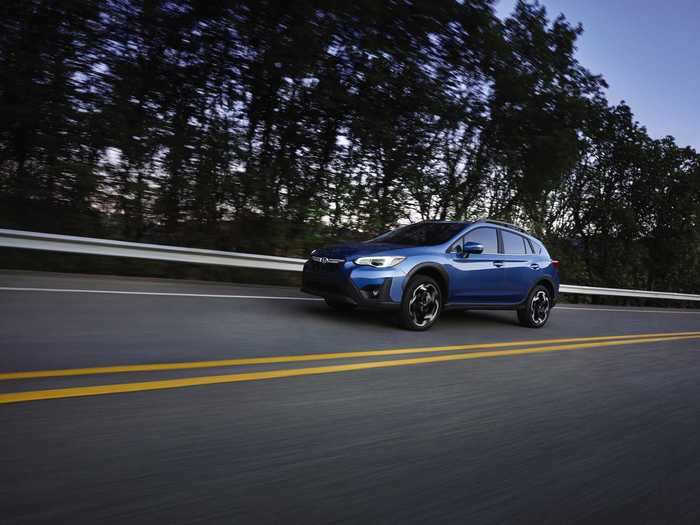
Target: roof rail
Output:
[{"x": 502, "y": 223}]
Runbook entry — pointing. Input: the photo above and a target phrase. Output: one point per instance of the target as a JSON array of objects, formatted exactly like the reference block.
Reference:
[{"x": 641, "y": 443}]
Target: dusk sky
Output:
[{"x": 648, "y": 52}]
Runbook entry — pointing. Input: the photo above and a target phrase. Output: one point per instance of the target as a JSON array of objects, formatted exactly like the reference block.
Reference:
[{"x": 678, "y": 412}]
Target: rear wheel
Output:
[
  {"x": 421, "y": 304},
  {"x": 340, "y": 306},
  {"x": 536, "y": 311}
]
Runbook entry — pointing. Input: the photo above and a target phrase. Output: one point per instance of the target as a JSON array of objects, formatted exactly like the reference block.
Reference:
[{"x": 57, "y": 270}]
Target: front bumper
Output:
[{"x": 350, "y": 284}]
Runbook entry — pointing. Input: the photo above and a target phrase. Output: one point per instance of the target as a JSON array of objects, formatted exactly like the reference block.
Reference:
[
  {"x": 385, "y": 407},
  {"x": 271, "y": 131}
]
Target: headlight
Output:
[
  {"x": 380, "y": 261},
  {"x": 313, "y": 252}
]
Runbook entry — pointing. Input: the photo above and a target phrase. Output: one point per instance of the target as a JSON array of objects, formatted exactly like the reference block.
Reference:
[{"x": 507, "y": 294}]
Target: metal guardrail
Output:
[
  {"x": 160, "y": 252},
  {"x": 623, "y": 292}
]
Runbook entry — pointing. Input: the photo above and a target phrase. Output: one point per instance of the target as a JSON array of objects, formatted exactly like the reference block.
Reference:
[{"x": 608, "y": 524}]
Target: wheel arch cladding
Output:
[
  {"x": 434, "y": 272},
  {"x": 547, "y": 284}
]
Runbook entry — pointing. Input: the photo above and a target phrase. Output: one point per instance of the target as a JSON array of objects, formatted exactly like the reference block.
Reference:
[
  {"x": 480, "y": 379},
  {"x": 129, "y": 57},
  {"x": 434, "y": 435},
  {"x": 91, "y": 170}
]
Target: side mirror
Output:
[
  {"x": 459, "y": 251},
  {"x": 473, "y": 247}
]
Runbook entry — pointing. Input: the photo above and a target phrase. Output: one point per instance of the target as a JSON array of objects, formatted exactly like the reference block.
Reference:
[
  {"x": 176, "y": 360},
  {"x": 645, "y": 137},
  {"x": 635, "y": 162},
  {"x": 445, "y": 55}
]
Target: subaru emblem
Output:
[{"x": 324, "y": 260}]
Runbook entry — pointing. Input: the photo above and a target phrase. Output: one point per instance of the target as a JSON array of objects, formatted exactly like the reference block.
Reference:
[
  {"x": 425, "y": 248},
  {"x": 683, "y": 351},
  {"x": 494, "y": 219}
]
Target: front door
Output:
[{"x": 477, "y": 278}]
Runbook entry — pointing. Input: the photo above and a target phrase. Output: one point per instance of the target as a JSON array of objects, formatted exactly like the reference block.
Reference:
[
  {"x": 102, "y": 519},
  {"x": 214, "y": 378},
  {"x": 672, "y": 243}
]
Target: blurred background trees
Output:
[{"x": 273, "y": 126}]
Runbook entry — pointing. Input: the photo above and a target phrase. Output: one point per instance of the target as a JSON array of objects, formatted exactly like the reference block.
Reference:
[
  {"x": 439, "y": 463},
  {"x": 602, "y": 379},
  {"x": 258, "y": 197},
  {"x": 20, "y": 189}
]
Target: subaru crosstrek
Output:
[{"x": 424, "y": 268}]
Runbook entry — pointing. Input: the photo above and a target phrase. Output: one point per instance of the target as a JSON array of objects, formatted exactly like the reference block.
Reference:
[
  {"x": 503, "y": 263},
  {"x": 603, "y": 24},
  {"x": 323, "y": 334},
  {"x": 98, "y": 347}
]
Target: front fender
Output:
[{"x": 434, "y": 268}]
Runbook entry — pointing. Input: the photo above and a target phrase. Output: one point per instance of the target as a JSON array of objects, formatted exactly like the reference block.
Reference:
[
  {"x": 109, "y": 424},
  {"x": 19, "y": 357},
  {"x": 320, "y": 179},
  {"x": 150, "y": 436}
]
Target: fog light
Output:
[{"x": 372, "y": 291}]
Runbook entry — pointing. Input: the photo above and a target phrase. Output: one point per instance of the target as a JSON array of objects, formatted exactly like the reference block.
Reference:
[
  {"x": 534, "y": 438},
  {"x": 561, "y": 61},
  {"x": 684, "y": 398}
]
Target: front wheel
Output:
[
  {"x": 536, "y": 311},
  {"x": 421, "y": 304}
]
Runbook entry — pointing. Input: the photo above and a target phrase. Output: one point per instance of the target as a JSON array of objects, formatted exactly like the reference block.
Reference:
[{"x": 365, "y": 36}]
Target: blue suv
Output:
[{"x": 423, "y": 268}]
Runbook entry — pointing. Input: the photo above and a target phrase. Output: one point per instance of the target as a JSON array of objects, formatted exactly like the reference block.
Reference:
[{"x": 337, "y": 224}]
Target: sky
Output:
[{"x": 647, "y": 51}]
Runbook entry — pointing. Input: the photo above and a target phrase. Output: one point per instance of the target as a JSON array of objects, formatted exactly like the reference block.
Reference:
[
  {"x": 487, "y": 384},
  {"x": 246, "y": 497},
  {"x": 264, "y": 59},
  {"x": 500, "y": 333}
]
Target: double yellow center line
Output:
[{"x": 514, "y": 348}]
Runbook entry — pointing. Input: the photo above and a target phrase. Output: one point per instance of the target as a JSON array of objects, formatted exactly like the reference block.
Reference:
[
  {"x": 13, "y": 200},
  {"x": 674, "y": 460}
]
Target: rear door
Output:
[
  {"x": 519, "y": 267},
  {"x": 477, "y": 279}
]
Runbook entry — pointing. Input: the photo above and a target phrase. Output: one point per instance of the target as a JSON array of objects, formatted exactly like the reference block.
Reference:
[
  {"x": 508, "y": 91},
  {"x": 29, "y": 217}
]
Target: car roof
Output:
[
  {"x": 485, "y": 220},
  {"x": 493, "y": 223}
]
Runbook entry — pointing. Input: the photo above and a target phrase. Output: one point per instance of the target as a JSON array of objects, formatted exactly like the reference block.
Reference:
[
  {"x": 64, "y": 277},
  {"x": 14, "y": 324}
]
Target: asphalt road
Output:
[{"x": 521, "y": 431}]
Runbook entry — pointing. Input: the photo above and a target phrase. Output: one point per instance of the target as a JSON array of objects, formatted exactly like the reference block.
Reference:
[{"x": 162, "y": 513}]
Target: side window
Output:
[
  {"x": 529, "y": 246},
  {"x": 486, "y": 236},
  {"x": 540, "y": 249},
  {"x": 513, "y": 244}
]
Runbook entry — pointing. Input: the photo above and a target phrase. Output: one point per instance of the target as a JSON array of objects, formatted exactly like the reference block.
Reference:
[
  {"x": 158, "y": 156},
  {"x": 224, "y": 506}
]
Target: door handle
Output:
[
  {"x": 535, "y": 266},
  {"x": 498, "y": 264}
]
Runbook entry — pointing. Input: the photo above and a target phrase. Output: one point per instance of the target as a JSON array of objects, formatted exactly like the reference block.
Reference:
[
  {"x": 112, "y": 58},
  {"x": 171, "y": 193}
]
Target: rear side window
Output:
[
  {"x": 529, "y": 246},
  {"x": 539, "y": 248},
  {"x": 486, "y": 236},
  {"x": 513, "y": 244}
]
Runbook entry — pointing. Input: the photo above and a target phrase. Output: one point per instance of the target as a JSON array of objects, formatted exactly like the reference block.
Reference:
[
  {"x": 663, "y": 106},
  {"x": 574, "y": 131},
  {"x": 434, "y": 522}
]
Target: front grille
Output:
[
  {"x": 323, "y": 282},
  {"x": 326, "y": 287},
  {"x": 325, "y": 264}
]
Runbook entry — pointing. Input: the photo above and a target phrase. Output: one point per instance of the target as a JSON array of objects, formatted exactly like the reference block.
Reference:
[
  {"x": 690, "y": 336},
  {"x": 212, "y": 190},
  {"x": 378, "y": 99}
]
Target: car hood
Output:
[{"x": 351, "y": 251}]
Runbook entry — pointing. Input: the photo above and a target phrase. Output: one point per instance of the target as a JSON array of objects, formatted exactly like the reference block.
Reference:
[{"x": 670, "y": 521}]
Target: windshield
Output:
[{"x": 422, "y": 233}]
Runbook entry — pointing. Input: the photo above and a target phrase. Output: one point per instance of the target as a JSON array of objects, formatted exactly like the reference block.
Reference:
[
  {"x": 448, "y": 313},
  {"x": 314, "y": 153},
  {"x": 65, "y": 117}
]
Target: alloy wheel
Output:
[
  {"x": 539, "y": 307},
  {"x": 424, "y": 305}
]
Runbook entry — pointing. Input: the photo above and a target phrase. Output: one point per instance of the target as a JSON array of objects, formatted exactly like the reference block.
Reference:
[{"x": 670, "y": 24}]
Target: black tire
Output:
[
  {"x": 340, "y": 306},
  {"x": 536, "y": 312},
  {"x": 421, "y": 304}
]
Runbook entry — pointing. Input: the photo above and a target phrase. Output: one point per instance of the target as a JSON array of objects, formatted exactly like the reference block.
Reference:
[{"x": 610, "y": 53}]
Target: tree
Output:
[
  {"x": 47, "y": 150},
  {"x": 272, "y": 126},
  {"x": 540, "y": 100}
]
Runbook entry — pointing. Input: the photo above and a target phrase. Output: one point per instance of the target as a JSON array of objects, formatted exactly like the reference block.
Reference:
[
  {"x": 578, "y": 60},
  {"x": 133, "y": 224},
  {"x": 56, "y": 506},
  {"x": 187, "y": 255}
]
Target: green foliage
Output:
[{"x": 273, "y": 127}]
